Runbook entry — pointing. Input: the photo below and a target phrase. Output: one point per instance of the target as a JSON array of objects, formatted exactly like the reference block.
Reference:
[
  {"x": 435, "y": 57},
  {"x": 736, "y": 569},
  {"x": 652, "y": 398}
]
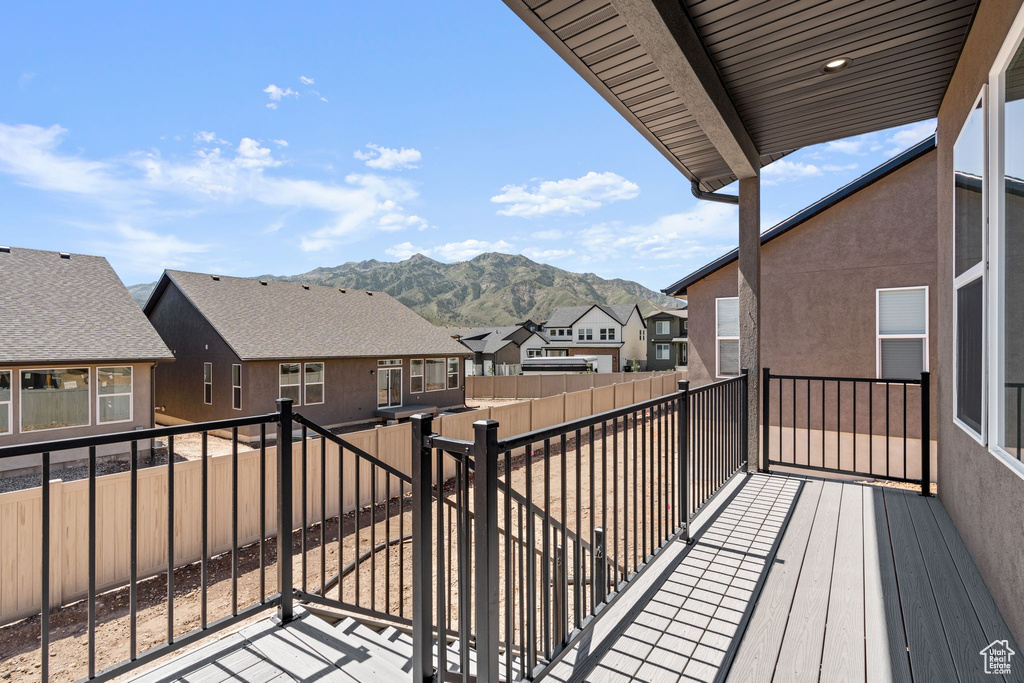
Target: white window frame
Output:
[
  {"x": 684, "y": 354},
  {"x": 236, "y": 386},
  {"x": 585, "y": 334},
  {"x": 21, "y": 400},
  {"x": 995, "y": 242},
  {"x": 972, "y": 274},
  {"x": 606, "y": 333},
  {"x": 879, "y": 336},
  {"x": 280, "y": 385},
  {"x": 718, "y": 360},
  {"x": 322, "y": 383},
  {"x": 422, "y": 374},
  {"x": 658, "y": 325},
  {"x": 401, "y": 394},
  {"x": 535, "y": 353},
  {"x": 444, "y": 362},
  {"x": 207, "y": 383},
  {"x": 668, "y": 351},
  {"x": 130, "y": 394},
  {"x": 448, "y": 374},
  {"x": 9, "y": 403}
]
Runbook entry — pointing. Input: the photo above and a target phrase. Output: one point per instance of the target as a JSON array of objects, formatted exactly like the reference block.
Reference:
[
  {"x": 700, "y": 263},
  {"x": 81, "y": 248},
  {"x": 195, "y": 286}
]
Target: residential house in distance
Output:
[
  {"x": 848, "y": 284},
  {"x": 77, "y": 356},
  {"x": 343, "y": 356},
  {"x": 666, "y": 339},
  {"x": 499, "y": 350},
  {"x": 616, "y": 334}
]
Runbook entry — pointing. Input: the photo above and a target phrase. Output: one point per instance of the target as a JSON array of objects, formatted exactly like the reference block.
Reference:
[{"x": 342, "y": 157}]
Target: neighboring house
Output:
[
  {"x": 848, "y": 284},
  {"x": 76, "y": 353},
  {"x": 493, "y": 346},
  {"x": 615, "y": 332},
  {"x": 342, "y": 355},
  {"x": 666, "y": 339}
]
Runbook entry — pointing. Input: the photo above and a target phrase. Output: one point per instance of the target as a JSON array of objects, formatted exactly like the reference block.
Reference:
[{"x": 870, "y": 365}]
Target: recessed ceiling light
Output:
[{"x": 834, "y": 65}]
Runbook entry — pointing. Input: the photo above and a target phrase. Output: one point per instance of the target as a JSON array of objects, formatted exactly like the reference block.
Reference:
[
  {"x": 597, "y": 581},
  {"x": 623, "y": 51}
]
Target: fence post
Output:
[
  {"x": 422, "y": 638},
  {"x": 684, "y": 458},
  {"x": 485, "y": 544},
  {"x": 284, "y": 509},
  {"x": 600, "y": 566},
  {"x": 926, "y": 436},
  {"x": 766, "y": 412}
]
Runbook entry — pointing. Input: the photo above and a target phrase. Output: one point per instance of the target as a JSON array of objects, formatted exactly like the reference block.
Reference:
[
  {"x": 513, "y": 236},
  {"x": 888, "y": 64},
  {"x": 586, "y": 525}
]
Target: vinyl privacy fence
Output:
[
  {"x": 21, "y": 511},
  {"x": 542, "y": 386}
]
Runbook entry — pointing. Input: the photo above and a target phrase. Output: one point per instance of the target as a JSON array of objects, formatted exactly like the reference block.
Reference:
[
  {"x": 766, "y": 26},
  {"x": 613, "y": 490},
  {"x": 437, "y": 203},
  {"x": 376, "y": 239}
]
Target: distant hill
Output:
[{"x": 491, "y": 289}]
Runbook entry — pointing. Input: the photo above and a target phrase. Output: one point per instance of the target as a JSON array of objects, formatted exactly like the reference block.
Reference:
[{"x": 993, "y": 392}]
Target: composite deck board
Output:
[
  {"x": 930, "y": 659},
  {"x": 843, "y": 653},
  {"x": 884, "y": 641},
  {"x": 800, "y": 655},
  {"x": 759, "y": 649}
]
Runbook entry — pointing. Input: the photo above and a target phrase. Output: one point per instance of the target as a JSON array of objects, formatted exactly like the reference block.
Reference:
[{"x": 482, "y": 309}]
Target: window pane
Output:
[
  {"x": 291, "y": 392},
  {"x": 902, "y": 358},
  {"x": 5, "y": 418},
  {"x": 290, "y": 373},
  {"x": 207, "y": 372},
  {"x": 207, "y": 393},
  {"x": 435, "y": 374},
  {"x": 54, "y": 398},
  {"x": 314, "y": 393},
  {"x": 1012, "y": 304},
  {"x": 115, "y": 408},
  {"x": 236, "y": 398},
  {"x": 969, "y": 167},
  {"x": 416, "y": 385},
  {"x": 682, "y": 353},
  {"x": 314, "y": 372},
  {"x": 901, "y": 311},
  {"x": 114, "y": 380},
  {"x": 729, "y": 317},
  {"x": 969, "y": 341},
  {"x": 417, "y": 366},
  {"x": 236, "y": 375},
  {"x": 728, "y": 357},
  {"x": 5, "y": 386}
]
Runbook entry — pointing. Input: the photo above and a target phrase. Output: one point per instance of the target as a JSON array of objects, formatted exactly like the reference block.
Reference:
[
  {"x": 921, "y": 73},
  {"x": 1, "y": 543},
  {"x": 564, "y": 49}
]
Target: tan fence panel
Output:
[
  {"x": 505, "y": 387},
  {"x": 604, "y": 399},
  {"x": 605, "y": 379},
  {"x": 460, "y": 425},
  {"x": 528, "y": 386},
  {"x": 579, "y": 404},
  {"x": 642, "y": 390},
  {"x": 548, "y": 411},
  {"x": 579, "y": 382},
  {"x": 623, "y": 394},
  {"x": 552, "y": 385},
  {"x": 512, "y": 419}
]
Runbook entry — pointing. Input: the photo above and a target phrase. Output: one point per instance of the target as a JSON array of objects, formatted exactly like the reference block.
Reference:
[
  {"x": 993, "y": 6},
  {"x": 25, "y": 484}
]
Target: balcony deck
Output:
[{"x": 800, "y": 579}]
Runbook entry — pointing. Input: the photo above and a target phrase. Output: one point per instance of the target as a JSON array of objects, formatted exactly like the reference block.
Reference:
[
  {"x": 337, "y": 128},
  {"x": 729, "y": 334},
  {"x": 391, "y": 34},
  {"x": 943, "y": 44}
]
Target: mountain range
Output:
[{"x": 490, "y": 289}]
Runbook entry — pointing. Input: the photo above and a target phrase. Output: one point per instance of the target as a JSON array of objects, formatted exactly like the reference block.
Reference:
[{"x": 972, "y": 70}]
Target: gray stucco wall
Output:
[
  {"x": 984, "y": 497},
  {"x": 675, "y": 330}
]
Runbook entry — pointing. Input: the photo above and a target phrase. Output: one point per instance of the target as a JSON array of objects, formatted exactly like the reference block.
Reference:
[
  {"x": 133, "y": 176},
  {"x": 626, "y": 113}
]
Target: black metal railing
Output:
[
  {"x": 870, "y": 427},
  {"x": 1015, "y": 429}
]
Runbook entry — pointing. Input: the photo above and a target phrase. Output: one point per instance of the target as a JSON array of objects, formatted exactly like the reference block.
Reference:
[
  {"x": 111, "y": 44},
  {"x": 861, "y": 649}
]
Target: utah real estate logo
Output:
[{"x": 997, "y": 657}]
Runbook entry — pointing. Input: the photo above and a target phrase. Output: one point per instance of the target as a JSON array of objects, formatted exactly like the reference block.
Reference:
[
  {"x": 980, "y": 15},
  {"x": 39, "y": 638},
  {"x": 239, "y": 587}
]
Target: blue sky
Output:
[{"x": 246, "y": 138}]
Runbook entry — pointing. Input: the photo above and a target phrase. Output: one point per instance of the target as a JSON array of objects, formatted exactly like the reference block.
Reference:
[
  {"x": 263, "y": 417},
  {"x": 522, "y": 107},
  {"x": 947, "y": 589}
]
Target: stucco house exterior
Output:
[
  {"x": 342, "y": 356},
  {"x": 667, "y": 342},
  {"x": 77, "y": 356},
  {"x": 616, "y": 332},
  {"x": 499, "y": 347}
]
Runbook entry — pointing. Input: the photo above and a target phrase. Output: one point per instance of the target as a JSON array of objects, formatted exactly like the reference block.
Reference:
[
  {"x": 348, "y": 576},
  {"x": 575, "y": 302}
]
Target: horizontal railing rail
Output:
[{"x": 807, "y": 427}]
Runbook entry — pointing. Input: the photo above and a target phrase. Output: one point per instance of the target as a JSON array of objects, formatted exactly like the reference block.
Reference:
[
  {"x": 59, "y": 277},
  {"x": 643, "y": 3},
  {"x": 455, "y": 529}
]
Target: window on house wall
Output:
[
  {"x": 314, "y": 383},
  {"x": 435, "y": 374},
  {"x": 534, "y": 353},
  {"x": 416, "y": 375},
  {"x": 661, "y": 352},
  {"x": 585, "y": 334},
  {"x": 683, "y": 326},
  {"x": 662, "y": 328},
  {"x": 641, "y": 334},
  {"x": 901, "y": 349},
  {"x": 453, "y": 373},
  {"x": 208, "y": 383},
  {"x": 114, "y": 394},
  {"x": 969, "y": 215},
  {"x": 727, "y": 336},
  {"x": 236, "y": 386},
  {"x": 607, "y": 334},
  {"x": 683, "y": 351},
  {"x": 290, "y": 382},
  {"x": 54, "y": 399},
  {"x": 5, "y": 402}
]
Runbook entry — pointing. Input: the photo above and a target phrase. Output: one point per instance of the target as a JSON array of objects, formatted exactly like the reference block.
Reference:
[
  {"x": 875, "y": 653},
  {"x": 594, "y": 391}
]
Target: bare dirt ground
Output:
[{"x": 480, "y": 403}]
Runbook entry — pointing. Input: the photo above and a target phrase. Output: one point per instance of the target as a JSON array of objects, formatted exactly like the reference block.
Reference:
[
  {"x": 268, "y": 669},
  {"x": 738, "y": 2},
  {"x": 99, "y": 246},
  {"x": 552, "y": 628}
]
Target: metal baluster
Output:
[
  {"x": 92, "y": 561},
  {"x": 133, "y": 552},
  {"x": 510, "y": 591},
  {"x": 305, "y": 506},
  {"x": 358, "y": 531},
  {"x": 341, "y": 515},
  {"x": 636, "y": 537},
  {"x": 443, "y": 610},
  {"x": 577, "y": 555},
  {"x": 615, "y": 497},
  {"x": 531, "y": 575},
  {"x": 904, "y": 430},
  {"x": 545, "y": 587},
  {"x": 205, "y": 533},
  {"x": 44, "y": 593},
  {"x": 887, "y": 429},
  {"x": 170, "y": 538},
  {"x": 855, "y": 426},
  {"x": 387, "y": 542},
  {"x": 263, "y": 512},
  {"x": 323, "y": 519},
  {"x": 234, "y": 521},
  {"x": 523, "y": 663},
  {"x": 591, "y": 512},
  {"x": 373, "y": 536}
]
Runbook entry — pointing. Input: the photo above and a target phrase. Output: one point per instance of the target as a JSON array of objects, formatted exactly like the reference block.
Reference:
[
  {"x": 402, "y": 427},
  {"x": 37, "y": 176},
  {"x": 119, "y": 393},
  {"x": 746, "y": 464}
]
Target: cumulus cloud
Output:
[
  {"x": 276, "y": 94},
  {"x": 306, "y": 80},
  {"x": 204, "y": 136},
  {"x": 785, "y": 170},
  {"x": 253, "y": 155},
  {"x": 148, "y": 250},
  {"x": 388, "y": 158},
  {"x": 547, "y": 254},
  {"x": 450, "y": 251},
  {"x": 566, "y": 196},
  {"x": 907, "y": 136}
]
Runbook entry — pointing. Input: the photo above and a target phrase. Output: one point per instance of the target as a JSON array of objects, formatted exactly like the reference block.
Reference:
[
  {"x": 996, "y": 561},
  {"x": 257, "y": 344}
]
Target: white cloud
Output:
[
  {"x": 451, "y": 251},
  {"x": 785, "y": 170},
  {"x": 204, "y": 136},
  {"x": 395, "y": 220},
  {"x": 852, "y": 146},
  {"x": 552, "y": 234},
  {"x": 906, "y": 136},
  {"x": 547, "y": 254},
  {"x": 147, "y": 250},
  {"x": 388, "y": 158},
  {"x": 306, "y": 80},
  {"x": 252, "y": 155},
  {"x": 279, "y": 143},
  {"x": 835, "y": 168},
  {"x": 563, "y": 197},
  {"x": 30, "y": 154},
  {"x": 276, "y": 94}
]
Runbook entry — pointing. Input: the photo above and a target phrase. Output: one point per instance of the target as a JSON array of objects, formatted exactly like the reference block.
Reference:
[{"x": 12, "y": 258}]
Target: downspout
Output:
[{"x": 712, "y": 196}]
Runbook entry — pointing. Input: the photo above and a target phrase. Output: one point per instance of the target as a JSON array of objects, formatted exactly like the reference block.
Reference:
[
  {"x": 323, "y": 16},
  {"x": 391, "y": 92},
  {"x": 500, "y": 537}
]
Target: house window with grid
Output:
[
  {"x": 607, "y": 334},
  {"x": 236, "y": 386},
  {"x": 5, "y": 402},
  {"x": 314, "y": 383},
  {"x": 208, "y": 383},
  {"x": 114, "y": 394},
  {"x": 585, "y": 334},
  {"x": 662, "y": 352},
  {"x": 453, "y": 373},
  {"x": 290, "y": 382},
  {"x": 534, "y": 353},
  {"x": 662, "y": 328},
  {"x": 435, "y": 374},
  {"x": 416, "y": 375},
  {"x": 901, "y": 332},
  {"x": 727, "y": 336}
]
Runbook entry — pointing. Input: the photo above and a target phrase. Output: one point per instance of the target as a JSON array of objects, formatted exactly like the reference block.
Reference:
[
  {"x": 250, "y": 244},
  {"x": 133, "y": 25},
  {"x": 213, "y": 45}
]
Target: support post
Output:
[
  {"x": 285, "y": 610},
  {"x": 684, "y": 458},
  {"x": 766, "y": 403},
  {"x": 422, "y": 630},
  {"x": 926, "y": 434},
  {"x": 485, "y": 544},
  {"x": 749, "y": 289}
]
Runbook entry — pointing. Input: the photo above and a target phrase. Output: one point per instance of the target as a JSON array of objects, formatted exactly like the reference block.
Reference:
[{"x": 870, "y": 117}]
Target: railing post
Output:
[
  {"x": 745, "y": 408},
  {"x": 766, "y": 413},
  {"x": 926, "y": 436},
  {"x": 684, "y": 458},
  {"x": 600, "y": 566},
  {"x": 558, "y": 611},
  {"x": 485, "y": 544},
  {"x": 284, "y": 509},
  {"x": 422, "y": 636}
]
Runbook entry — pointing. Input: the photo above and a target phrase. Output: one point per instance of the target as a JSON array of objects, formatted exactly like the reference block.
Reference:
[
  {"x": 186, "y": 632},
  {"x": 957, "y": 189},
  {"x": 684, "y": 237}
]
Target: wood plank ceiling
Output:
[{"x": 769, "y": 57}]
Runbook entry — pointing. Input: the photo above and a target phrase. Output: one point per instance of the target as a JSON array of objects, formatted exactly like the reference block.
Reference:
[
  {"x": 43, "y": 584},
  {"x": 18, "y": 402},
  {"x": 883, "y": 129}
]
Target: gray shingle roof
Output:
[
  {"x": 76, "y": 309},
  {"x": 292, "y": 320},
  {"x": 484, "y": 339},
  {"x": 565, "y": 316}
]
